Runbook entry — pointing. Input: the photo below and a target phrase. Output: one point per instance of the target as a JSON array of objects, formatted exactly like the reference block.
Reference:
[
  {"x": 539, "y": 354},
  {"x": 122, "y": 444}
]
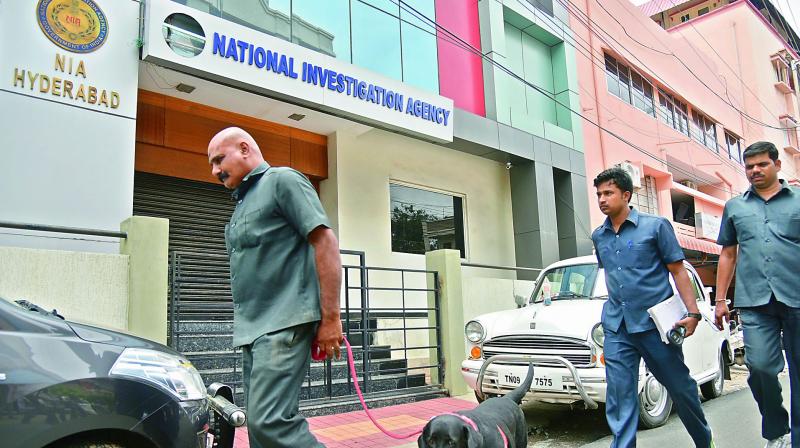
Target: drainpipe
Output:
[{"x": 596, "y": 90}]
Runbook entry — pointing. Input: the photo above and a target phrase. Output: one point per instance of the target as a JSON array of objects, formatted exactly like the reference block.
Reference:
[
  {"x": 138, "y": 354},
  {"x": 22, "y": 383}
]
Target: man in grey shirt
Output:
[
  {"x": 764, "y": 225},
  {"x": 285, "y": 280}
]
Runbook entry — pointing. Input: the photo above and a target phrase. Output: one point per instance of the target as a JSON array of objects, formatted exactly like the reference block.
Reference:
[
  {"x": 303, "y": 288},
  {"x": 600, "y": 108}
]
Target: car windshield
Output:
[{"x": 569, "y": 282}]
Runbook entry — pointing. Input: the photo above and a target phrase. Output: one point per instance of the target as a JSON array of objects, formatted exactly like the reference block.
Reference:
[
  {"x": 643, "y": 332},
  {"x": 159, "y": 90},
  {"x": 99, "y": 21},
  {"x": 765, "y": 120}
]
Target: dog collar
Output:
[
  {"x": 466, "y": 419},
  {"x": 471, "y": 423}
]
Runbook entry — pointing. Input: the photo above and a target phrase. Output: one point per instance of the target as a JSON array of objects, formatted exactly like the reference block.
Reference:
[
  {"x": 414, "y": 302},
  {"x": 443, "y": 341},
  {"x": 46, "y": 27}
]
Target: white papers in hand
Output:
[{"x": 665, "y": 314}]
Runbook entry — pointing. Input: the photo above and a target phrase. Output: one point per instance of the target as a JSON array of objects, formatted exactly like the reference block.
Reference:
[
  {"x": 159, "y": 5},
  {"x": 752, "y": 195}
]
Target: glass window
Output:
[
  {"x": 376, "y": 36},
  {"x": 629, "y": 86},
  {"x": 272, "y": 17},
  {"x": 734, "y": 147},
  {"x": 704, "y": 131},
  {"x": 322, "y": 26},
  {"x": 420, "y": 60},
  {"x": 665, "y": 108},
  {"x": 673, "y": 112},
  {"x": 702, "y": 11},
  {"x": 544, "y": 5},
  {"x": 711, "y": 135},
  {"x": 424, "y": 220},
  {"x": 624, "y": 83},
  {"x": 612, "y": 78},
  {"x": 642, "y": 94},
  {"x": 696, "y": 131},
  {"x": 568, "y": 282}
]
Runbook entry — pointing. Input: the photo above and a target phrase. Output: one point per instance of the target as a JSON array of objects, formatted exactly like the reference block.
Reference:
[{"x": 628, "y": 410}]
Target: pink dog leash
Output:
[{"x": 352, "y": 365}]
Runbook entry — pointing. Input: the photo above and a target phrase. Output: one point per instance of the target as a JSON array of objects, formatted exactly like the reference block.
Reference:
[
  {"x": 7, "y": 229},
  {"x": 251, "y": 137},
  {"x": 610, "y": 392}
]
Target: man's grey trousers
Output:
[{"x": 273, "y": 368}]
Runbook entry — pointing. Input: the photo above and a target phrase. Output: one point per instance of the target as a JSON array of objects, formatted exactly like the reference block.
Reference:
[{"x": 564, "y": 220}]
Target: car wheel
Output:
[
  {"x": 655, "y": 403},
  {"x": 713, "y": 388}
]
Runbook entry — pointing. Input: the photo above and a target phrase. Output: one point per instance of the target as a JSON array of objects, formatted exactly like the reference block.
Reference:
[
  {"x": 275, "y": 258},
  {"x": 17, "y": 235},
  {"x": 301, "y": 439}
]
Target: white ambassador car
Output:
[{"x": 560, "y": 329}]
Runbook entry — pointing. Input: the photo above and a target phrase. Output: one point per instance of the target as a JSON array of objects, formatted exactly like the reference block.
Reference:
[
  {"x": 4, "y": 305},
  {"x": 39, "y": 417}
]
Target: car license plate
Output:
[{"x": 546, "y": 382}]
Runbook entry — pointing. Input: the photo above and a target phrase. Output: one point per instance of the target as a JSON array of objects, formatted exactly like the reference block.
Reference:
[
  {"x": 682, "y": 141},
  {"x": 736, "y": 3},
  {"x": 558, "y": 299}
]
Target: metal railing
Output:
[
  {"x": 502, "y": 268},
  {"x": 201, "y": 312},
  {"x": 62, "y": 229}
]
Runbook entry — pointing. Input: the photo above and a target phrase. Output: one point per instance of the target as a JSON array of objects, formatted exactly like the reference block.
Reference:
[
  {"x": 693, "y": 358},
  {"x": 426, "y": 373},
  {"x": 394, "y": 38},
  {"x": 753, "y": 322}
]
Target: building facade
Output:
[
  {"x": 423, "y": 125},
  {"x": 677, "y": 107}
]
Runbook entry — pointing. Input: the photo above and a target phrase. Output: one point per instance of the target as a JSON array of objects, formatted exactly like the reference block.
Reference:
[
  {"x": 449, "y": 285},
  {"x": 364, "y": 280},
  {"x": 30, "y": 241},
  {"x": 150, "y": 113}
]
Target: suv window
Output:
[{"x": 567, "y": 282}]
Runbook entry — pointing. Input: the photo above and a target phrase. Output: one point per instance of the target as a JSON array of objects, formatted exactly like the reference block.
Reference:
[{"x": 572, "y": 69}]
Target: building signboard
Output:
[{"x": 209, "y": 47}]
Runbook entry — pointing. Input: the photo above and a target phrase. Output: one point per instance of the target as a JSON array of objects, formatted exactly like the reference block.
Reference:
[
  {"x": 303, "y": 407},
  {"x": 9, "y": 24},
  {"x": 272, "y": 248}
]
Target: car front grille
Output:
[{"x": 576, "y": 351}]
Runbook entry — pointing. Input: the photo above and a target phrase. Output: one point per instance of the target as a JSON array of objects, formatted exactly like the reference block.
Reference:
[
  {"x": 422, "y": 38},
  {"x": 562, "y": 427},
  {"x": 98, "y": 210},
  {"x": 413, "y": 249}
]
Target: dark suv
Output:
[{"x": 64, "y": 384}]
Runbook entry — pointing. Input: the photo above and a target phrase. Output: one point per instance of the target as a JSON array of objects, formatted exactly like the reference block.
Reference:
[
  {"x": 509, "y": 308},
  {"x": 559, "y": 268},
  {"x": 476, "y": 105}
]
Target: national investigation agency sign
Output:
[{"x": 209, "y": 47}]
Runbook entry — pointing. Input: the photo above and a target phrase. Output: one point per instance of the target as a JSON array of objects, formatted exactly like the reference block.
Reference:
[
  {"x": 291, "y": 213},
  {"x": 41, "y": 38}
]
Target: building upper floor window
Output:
[
  {"x": 629, "y": 86},
  {"x": 424, "y": 220},
  {"x": 783, "y": 73},
  {"x": 704, "y": 131},
  {"x": 734, "y": 146},
  {"x": 544, "y": 5},
  {"x": 673, "y": 112},
  {"x": 385, "y": 36}
]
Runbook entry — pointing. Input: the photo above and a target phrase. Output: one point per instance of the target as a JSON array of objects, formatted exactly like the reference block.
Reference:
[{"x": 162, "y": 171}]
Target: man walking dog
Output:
[
  {"x": 285, "y": 280},
  {"x": 638, "y": 252}
]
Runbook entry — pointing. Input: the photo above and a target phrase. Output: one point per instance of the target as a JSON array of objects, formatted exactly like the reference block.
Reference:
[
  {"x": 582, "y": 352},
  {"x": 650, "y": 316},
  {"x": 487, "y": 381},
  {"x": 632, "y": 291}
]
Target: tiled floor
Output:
[{"x": 354, "y": 429}]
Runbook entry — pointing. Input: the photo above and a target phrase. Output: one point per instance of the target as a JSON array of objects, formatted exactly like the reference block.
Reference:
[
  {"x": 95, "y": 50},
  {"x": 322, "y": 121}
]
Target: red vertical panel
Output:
[{"x": 460, "y": 70}]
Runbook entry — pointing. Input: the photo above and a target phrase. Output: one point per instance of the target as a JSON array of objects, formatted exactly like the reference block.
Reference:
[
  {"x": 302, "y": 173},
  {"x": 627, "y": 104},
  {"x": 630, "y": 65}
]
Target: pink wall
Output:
[
  {"x": 745, "y": 41},
  {"x": 640, "y": 43},
  {"x": 460, "y": 71}
]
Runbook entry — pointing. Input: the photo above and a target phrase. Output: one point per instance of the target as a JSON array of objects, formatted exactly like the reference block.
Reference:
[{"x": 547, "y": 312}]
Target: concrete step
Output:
[
  {"x": 377, "y": 383},
  {"x": 214, "y": 357},
  {"x": 317, "y": 371},
  {"x": 340, "y": 405},
  {"x": 340, "y": 389}
]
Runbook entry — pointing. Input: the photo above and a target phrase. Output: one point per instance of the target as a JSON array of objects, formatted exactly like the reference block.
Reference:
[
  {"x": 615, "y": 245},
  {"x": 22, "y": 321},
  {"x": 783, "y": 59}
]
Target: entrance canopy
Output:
[{"x": 690, "y": 243}]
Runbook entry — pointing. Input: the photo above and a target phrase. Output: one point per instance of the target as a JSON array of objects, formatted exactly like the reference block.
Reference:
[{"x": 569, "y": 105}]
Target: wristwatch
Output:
[{"x": 697, "y": 316}]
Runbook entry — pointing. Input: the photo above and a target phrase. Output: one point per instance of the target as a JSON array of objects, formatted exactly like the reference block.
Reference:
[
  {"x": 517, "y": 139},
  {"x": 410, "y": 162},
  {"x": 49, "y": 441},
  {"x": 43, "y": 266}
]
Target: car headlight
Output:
[
  {"x": 598, "y": 336},
  {"x": 171, "y": 373},
  {"x": 474, "y": 331}
]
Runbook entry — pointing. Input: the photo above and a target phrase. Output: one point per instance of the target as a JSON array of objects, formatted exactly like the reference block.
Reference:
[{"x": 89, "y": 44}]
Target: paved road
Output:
[
  {"x": 734, "y": 419},
  {"x": 559, "y": 427}
]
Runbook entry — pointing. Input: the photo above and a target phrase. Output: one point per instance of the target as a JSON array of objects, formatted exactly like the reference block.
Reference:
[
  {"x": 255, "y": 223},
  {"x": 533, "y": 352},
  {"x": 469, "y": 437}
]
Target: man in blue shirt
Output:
[
  {"x": 638, "y": 252},
  {"x": 764, "y": 225}
]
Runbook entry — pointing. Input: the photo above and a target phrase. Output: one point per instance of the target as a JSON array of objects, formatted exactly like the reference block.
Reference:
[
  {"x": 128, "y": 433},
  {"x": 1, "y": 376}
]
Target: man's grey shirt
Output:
[
  {"x": 768, "y": 235},
  {"x": 635, "y": 261},
  {"x": 274, "y": 278}
]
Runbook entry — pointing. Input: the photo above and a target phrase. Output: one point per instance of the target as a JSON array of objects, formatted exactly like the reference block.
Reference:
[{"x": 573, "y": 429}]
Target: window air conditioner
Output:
[{"x": 633, "y": 171}]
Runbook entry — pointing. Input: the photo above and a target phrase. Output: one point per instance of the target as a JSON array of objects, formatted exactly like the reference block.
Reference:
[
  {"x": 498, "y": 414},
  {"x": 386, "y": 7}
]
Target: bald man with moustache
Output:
[{"x": 285, "y": 280}]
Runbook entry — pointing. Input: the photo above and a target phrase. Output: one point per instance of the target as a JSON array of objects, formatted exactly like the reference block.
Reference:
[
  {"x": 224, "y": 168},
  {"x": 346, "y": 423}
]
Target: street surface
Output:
[{"x": 733, "y": 417}]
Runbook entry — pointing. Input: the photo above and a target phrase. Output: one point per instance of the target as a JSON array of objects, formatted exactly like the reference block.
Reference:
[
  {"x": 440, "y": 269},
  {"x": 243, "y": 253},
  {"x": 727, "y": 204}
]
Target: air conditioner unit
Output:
[
  {"x": 633, "y": 171},
  {"x": 689, "y": 183}
]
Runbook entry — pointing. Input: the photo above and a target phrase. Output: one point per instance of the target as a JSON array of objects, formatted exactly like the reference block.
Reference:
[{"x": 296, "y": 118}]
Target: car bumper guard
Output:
[{"x": 588, "y": 402}]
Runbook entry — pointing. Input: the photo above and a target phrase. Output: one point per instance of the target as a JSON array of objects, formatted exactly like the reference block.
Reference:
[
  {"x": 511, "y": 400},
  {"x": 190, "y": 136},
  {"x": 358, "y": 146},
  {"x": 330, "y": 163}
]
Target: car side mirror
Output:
[{"x": 520, "y": 300}]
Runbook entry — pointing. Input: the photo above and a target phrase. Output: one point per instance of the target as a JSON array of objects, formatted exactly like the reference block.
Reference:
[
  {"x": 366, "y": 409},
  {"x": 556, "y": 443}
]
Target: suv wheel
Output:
[
  {"x": 713, "y": 388},
  {"x": 655, "y": 403}
]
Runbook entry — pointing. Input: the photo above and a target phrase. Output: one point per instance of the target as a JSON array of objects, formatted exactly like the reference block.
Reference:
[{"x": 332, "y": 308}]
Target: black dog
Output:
[{"x": 495, "y": 423}]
